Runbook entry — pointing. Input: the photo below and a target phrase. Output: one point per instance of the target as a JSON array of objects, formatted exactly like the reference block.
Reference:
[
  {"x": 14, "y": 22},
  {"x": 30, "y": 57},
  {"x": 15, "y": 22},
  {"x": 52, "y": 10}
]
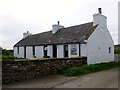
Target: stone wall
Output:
[
  {"x": 117, "y": 57},
  {"x": 14, "y": 71}
]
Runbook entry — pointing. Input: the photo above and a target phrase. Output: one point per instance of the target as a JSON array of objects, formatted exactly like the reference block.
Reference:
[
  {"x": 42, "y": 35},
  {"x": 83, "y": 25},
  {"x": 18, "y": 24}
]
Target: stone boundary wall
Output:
[
  {"x": 14, "y": 71},
  {"x": 117, "y": 57}
]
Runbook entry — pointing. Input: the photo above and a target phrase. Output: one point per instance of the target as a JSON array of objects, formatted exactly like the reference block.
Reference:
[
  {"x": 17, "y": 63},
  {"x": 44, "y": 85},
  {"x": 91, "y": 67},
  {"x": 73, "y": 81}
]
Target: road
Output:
[{"x": 102, "y": 79}]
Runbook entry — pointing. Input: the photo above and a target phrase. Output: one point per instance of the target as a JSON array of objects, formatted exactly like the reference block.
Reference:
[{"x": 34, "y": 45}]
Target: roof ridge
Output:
[
  {"x": 80, "y": 24},
  {"x": 65, "y": 28},
  {"x": 41, "y": 33},
  {"x": 77, "y": 33}
]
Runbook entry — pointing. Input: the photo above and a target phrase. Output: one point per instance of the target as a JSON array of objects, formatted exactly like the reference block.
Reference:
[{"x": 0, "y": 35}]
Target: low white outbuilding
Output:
[{"x": 91, "y": 40}]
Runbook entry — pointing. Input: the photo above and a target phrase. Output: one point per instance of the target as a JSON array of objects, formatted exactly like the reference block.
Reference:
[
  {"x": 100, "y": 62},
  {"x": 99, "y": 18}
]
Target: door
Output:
[
  {"x": 65, "y": 50},
  {"x": 54, "y": 51},
  {"x": 24, "y": 51},
  {"x": 45, "y": 50}
]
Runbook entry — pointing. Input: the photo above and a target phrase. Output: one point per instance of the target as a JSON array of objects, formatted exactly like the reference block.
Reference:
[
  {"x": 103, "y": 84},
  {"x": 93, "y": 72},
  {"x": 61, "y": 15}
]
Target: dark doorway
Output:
[
  {"x": 79, "y": 49},
  {"x": 24, "y": 51},
  {"x": 65, "y": 50},
  {"x": 33, "y": 50},
  {"x": 45, "y": 50},
  {"x": 54, "y": 51}
]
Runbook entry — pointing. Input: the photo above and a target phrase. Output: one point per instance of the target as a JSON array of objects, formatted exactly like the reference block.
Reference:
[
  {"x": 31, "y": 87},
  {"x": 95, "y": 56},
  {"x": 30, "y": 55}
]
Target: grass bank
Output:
[{"x": 85, "y": 69}]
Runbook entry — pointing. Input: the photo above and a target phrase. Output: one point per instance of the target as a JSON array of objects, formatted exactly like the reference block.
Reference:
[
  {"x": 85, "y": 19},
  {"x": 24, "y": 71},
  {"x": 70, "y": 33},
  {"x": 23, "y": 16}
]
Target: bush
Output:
[
  {"x": 74, "y": 71},
  {"x": 8, "y": 57},
  {"x": 46, "y": 56},
  {"x": 117, "y": 50}
]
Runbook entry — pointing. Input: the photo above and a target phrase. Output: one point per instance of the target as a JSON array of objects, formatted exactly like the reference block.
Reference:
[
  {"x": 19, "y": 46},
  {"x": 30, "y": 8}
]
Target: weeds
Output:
[{"x": 85, "y": 69}]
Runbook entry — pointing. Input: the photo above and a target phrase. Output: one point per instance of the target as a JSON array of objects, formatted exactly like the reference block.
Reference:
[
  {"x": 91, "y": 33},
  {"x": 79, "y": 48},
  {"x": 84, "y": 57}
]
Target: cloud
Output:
[
  {"x": 9, "y": 29},
  {"x": 18, "y": 16},
  {"x": 12, "y": 29}
]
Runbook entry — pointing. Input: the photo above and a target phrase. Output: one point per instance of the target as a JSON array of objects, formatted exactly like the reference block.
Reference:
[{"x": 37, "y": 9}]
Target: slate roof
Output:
[{"x": 73, "y": 34}]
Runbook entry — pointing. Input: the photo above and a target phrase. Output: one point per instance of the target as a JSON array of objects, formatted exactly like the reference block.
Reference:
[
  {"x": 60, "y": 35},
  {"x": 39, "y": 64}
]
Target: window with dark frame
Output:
[
  {"x": 17, "y": 50},
  {"x": 109, "y": 49}
]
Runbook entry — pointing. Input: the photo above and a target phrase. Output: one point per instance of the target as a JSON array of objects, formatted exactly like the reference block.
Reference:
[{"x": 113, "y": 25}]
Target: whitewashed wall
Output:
[
  {"x": 39, "y": 51},
  {"x": 60, "y": 51},
  {"x": 15, "y": 51},
  {"x": 83, "y": 49},
  {"x": 69, "y": 50},
  {"x": 50, "y": 50},
  {"x": 69, "y": 55},
  {"x": 29, "y": 52},
  {"x": 21, "y": 52},
  {"x": 98, "y": 46}
]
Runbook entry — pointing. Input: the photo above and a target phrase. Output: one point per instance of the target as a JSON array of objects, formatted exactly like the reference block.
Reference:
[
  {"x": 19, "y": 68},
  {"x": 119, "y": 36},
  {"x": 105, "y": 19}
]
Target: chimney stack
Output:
[
  {"x": 99, "y": 19},
  {"x": 26, "y": 34},
  {"x": 56, "y": 27},
  {"x": 100, "y": 10}
]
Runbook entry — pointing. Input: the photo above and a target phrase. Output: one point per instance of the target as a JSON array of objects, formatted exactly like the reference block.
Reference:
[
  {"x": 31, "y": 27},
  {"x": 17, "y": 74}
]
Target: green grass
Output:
[{"x": 85, "y": 69}]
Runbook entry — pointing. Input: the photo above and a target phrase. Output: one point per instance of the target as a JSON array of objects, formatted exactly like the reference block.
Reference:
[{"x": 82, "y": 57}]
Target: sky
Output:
[
  {"x": 119, "y": 22},
  {"x": 36, "y": 16}
]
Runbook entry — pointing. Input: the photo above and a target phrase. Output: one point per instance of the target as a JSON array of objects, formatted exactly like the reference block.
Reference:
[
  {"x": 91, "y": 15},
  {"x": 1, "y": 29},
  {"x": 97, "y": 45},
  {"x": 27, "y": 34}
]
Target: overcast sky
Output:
[{"x": 35, "y": 16}]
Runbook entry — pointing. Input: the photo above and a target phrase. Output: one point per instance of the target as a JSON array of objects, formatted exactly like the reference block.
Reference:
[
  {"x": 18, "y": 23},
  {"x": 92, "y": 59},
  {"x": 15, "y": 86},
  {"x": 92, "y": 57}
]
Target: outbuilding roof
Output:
[{"x": 73, "y": 34}]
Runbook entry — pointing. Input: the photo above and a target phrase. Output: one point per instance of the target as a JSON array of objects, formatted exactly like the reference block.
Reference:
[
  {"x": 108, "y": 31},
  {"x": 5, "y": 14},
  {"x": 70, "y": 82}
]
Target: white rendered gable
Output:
[{"x": 98, "y": 46}]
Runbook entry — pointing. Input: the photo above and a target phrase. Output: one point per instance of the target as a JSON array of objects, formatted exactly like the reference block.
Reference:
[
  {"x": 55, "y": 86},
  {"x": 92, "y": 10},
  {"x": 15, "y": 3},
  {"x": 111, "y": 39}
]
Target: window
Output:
[
  {"x": 109, "y": 49},
  {"x": 17, "y": 50}
]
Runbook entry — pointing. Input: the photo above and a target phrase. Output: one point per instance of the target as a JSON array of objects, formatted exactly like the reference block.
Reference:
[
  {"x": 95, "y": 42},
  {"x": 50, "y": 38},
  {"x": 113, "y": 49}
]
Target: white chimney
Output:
[
  {"x": 26, "y": 34},
  {"x": 99, "y": 19},
  {"x": 56, "y": 27}
]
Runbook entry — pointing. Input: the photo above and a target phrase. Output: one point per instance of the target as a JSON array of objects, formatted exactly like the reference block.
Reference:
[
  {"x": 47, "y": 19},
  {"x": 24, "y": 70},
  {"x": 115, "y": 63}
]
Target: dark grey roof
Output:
[{"x": 73, "y": 34}]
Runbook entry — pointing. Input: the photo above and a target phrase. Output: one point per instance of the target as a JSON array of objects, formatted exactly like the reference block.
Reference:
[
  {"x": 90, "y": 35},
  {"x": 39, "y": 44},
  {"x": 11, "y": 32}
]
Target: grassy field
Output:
[{"x": 85, "y": 69}]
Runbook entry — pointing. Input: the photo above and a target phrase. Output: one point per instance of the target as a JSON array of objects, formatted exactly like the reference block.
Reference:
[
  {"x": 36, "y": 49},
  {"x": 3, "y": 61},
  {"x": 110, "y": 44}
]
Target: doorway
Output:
[
  {"x": 45, "y": 50},
  {"x": 54, "y": 51},
  {"x": 65, "y": 50},
  {"x": 24, "y": 51}
]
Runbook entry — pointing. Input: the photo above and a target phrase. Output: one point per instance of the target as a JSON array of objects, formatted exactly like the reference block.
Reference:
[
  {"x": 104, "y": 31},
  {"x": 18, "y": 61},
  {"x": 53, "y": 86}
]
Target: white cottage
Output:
[{"x": 91, "y": 40}]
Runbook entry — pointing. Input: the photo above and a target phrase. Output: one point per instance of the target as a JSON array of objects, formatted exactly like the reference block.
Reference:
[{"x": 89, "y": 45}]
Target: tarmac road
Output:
[{"x": 102, "y": 79}]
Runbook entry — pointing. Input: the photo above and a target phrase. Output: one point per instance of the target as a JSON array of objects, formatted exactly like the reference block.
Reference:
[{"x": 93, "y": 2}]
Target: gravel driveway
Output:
[{"x": 102, "y": 79}]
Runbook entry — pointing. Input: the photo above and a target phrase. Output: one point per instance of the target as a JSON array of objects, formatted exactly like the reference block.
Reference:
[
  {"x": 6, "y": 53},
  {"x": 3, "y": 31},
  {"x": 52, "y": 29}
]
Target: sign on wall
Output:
[{"x": 73, "y": 49}]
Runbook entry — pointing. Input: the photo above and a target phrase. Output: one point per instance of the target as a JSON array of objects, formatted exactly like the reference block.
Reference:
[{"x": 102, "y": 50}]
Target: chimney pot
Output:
[
  {"x": 58, "y": 22},
  {"x": 100, "y": 10}
]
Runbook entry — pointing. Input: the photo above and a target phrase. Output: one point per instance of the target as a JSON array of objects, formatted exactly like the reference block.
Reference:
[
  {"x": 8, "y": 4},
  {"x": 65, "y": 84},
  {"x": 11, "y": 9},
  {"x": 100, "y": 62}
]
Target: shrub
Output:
[
  {"x": 117, "y": 50},
  {"x": 8, "y": 57},
  {"x": 46, "y": 56}
]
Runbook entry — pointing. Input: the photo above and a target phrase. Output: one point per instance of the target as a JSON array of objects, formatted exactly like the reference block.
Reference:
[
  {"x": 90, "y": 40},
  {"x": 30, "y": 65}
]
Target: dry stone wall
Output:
[{"x": 14, "y": 71}]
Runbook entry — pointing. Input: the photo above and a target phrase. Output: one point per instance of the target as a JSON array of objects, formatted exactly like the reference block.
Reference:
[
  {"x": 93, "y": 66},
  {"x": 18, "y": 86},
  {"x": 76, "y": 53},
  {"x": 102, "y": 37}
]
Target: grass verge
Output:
[
  {"x": 85, "y": 69},
  {"x": 7, "y": 57}
]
